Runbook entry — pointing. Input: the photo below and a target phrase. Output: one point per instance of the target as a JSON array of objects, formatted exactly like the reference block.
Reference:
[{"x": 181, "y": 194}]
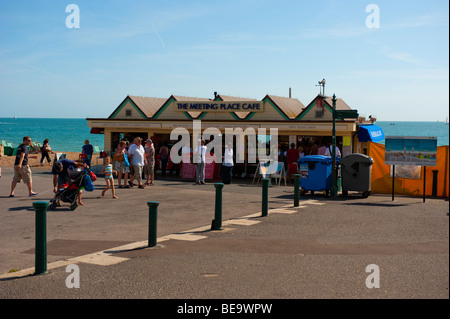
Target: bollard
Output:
[
  {"x": 296, "y": 190},
  {"x": 152, "y": 222},
  {"x": 40, "y": 264},
  {"x": 217, "y": 221},
  {"x": 265, "y": 196},
  {"x": 435, "y": 177}
]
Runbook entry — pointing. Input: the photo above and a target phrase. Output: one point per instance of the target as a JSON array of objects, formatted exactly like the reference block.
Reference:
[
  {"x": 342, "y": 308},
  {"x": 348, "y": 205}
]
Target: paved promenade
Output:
[{"x": 318, "y": 250}]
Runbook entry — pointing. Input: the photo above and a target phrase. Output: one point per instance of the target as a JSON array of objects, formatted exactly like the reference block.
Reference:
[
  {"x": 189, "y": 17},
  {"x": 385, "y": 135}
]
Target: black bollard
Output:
[
  {"x": 152, "y": 222},
  {"x": 265, "y": 197},
  {"x": 296, "y": 190},
  {"x": 217, "y": 222},
  {"x": 435, "y": 177}
]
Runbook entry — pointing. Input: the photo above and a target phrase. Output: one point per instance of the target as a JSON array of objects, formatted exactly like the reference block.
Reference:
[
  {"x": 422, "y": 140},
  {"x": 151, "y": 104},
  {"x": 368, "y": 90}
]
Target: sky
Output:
[{"x": 388, "y": 59}]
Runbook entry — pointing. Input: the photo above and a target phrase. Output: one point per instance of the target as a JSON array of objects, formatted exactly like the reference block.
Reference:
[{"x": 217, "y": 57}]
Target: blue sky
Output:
[{"x": 244, "y": 48}]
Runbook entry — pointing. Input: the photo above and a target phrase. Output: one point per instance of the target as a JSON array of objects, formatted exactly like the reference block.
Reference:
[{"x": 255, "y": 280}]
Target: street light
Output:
[
  {"x": 341, "y": 114},
  {"x": 333, "y": 152}
]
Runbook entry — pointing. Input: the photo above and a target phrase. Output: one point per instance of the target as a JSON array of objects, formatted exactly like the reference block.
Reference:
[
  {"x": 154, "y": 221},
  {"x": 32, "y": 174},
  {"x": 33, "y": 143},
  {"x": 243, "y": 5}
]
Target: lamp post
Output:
[
  {"x": 333, "y": 152},
  {"x": 341, "y": 114}
]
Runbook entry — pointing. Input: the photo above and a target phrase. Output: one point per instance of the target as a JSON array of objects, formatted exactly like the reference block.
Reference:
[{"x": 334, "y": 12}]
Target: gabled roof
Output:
[
  {"x": 290, "y": 107},
  {"x": 180, "y": 98},
  {"x": 340, "y": 105},
  {"x": 240, "y": 115},
  {"x": 146, "y": 106}
]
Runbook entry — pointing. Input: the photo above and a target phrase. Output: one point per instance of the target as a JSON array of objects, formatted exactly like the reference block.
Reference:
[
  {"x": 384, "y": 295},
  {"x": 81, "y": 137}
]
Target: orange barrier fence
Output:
[{"x": 382, "y": 181}]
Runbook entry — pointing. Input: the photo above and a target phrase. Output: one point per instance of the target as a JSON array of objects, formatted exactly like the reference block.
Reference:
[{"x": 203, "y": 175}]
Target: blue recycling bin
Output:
[{"x": 315, "y": 173}]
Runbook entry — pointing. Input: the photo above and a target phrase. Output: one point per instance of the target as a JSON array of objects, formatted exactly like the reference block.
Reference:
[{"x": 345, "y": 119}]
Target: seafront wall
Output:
[{"x": 381, "y": 182}]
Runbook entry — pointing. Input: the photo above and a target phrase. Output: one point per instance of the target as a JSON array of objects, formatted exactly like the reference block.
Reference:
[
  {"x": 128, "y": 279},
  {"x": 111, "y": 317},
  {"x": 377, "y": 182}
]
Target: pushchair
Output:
[{"x": 70, "y": 193}]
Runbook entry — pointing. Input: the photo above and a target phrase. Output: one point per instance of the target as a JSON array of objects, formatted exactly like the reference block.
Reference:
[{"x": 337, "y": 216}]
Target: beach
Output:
[{"x": 34, "y": 159}]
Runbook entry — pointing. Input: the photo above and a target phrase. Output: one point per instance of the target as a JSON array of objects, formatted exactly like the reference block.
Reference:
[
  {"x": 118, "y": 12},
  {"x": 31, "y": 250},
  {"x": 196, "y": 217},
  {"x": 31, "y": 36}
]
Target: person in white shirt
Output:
[
  {"x": 137, "y": 158},
  {"x": 329, "y": 151},
  {"x": 227, "y": 164},
  {"x": 200, "y": 152}
]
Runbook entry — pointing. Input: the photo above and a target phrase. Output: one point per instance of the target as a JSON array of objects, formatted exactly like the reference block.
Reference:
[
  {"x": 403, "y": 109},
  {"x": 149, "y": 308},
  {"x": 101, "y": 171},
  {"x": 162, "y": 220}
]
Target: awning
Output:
[
  {"x": 96, "y": 130},
  {"x": 371, "y": 133}
]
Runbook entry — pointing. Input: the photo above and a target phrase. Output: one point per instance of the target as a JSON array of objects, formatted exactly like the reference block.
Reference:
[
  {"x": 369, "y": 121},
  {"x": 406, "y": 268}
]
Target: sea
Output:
[
  {"x": 64, "y": 135},
  {"x": 405, "y": 128},
  {"x": 69, "y": 134}
]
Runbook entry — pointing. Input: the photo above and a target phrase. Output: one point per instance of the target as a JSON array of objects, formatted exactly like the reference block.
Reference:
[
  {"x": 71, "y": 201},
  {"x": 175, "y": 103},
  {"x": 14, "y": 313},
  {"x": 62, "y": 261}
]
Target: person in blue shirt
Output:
[{"x": 88, "y": 149}]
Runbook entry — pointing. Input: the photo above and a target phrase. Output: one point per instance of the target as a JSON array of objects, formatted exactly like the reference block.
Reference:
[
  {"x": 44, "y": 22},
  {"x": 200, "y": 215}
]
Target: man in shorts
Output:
[
  {"x": 137, "y": 159},
  {"x": 22, "y": 170}
]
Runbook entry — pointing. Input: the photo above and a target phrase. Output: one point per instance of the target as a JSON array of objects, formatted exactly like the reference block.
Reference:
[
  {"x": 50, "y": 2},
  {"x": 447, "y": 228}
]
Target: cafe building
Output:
[{"x": 155, "y": 118}]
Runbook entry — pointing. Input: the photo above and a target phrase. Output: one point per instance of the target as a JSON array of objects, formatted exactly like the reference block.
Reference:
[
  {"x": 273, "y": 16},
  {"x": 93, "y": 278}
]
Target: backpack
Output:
[{"x": 88, "y": 184}]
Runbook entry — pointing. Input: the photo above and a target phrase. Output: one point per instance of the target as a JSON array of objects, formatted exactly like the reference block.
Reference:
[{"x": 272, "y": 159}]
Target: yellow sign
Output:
[{"x": 347, "y": 141}]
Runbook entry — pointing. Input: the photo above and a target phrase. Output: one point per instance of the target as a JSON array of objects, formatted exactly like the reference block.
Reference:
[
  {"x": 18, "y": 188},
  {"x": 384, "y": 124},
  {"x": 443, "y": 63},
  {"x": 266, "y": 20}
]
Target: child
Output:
[{"x": 108, "y": 171}]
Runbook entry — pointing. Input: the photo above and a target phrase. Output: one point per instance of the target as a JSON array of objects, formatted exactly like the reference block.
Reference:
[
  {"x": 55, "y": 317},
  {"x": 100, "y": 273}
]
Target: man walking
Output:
[
  {"x": 22, "y": 170},
  {"x": 138, "y": 160}
]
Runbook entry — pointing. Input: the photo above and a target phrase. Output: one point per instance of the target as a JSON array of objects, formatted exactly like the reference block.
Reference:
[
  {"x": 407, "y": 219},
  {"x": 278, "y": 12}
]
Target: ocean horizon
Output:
[
  {"x": 69, "y": 134},
  {"x": 64, "y": 134}
]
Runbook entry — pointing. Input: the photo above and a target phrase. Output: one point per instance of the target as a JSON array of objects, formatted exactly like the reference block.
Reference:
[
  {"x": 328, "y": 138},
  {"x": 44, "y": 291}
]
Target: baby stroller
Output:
[{"x": 70, "y": 194}]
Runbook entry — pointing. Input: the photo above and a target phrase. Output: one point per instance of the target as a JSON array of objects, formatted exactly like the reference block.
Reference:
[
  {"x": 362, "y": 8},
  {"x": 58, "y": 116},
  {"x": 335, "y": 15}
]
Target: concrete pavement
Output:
[{"x": 318, "y": 250}]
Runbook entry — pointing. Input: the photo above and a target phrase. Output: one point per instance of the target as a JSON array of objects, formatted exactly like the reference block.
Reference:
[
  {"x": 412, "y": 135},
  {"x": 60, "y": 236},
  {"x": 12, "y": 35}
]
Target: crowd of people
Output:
[
  {"x": 135, "y": 162},
  {"x": 131, "y": 163}
]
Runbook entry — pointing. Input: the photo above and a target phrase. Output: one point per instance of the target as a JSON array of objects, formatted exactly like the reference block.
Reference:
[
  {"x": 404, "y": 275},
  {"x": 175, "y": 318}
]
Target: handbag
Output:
[
  {"x": 118, "y": 157},
  {"x": 92, "y": 176},
  {"x": 88, "y": 184},
  {"x": 125, "y": 159}
]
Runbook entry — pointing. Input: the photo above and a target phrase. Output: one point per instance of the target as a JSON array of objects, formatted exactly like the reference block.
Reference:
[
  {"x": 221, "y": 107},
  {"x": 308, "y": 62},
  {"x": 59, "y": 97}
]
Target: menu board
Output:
[{"x": 189, "y": 171}]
